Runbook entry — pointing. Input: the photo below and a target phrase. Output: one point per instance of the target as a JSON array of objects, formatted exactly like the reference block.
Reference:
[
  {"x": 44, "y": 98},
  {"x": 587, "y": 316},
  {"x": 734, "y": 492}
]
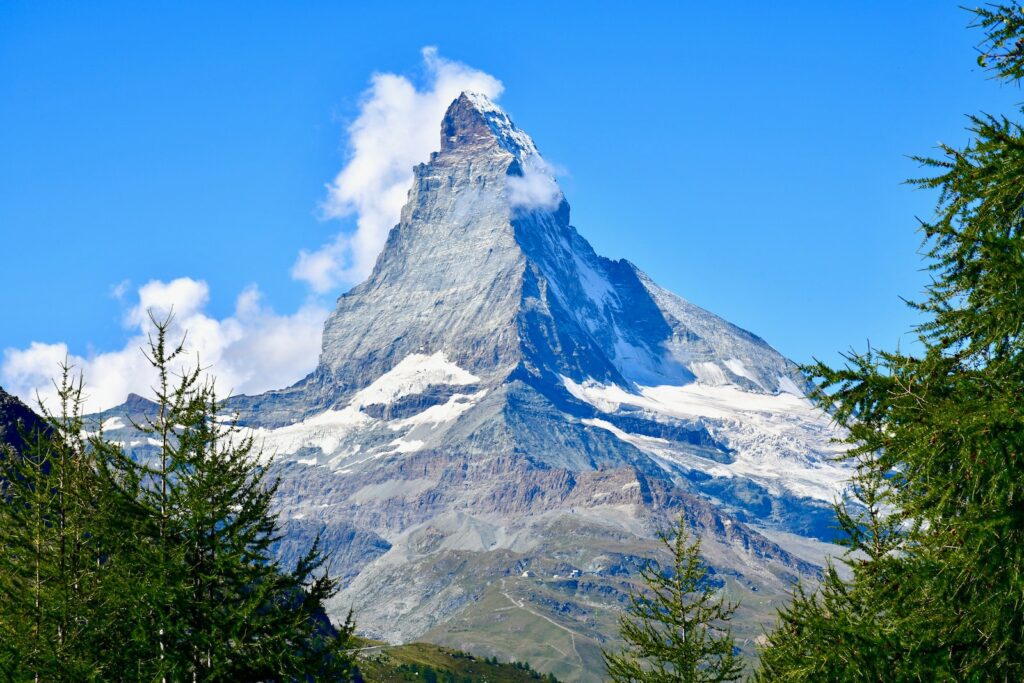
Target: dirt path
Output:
[{"x": 522, "y": 606}]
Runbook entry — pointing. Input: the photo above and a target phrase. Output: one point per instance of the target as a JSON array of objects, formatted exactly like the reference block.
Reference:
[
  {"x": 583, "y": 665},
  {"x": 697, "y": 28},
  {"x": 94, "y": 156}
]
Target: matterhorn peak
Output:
[
  {"x": 497, "y": 397},
  {"x": 474, "y": 121}
]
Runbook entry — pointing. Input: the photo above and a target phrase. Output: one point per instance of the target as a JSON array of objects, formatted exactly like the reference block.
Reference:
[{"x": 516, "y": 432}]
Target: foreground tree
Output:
[
  {"x": 856, "y": 630},
  {"x": 221, "y": 608},
  {"x": 156, "y": 568},
  {"x": 940, "y": 441},
  {"x": 676, "y": 628},
  {"x": 60, "y": 532}
]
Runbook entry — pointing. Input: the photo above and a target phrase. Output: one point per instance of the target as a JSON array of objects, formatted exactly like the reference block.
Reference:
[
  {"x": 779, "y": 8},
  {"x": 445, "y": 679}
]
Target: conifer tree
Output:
[
  {"x": 941, "y": 438},
  {"x": 156, "y": 568},
  {"x": 676, "y": 627},
  {"x": 59, "y": 531},
  {"x": 27, "y": 553},
  {"x": 855, "y": 630},
  {"x": 220, "y": 608}
]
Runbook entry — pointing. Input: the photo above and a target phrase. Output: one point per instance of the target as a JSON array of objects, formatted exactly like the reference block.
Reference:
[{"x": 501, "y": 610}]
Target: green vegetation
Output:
[
  {"x": 116, "y": 569},
  {"x": 938, "y": 438},
  {"x": 58, "y": 524},
  {"x": 676, "y": 628},
  {"x": 433, "y": 664}
]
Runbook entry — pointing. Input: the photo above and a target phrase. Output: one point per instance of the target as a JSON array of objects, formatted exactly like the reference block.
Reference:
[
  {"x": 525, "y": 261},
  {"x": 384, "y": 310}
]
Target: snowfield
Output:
[
  {"x": 339, "y": 434},
  {"x": 779, "y": 440}
]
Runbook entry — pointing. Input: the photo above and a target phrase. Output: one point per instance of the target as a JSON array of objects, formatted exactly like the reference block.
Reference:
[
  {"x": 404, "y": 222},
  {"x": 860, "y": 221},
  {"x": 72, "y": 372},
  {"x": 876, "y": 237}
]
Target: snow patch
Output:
[
  {"x": 781, "y": 441},
  {"x": 595, "y": 285},
  {"x": 449, "y": 411},
  {"x": 412, "y": 376},
  {"x": 738, "y": 368},
  {"x": 326, "y": 432},
  {"x": 709, "y": 373},
  {"x": 341, "y": 433},
  {"x": 403, "y": 446},
  {"x": 789, "y": 386}
]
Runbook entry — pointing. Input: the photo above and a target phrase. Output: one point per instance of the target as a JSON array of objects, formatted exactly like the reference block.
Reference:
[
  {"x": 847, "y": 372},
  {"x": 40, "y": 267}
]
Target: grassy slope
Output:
[
  {"x": 381, "y": 663},
  {"x": 512, "y": 620}
]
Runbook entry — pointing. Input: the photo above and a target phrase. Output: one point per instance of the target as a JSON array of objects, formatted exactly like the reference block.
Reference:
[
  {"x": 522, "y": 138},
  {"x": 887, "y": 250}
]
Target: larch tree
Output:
[
  {"x": 676, "y": 625},
  {"x": 221, "y": 608},
  {"x": 60, "y": 530},
  {"x": 155, "y": 565},
  {"x": 939, "y": 437}
]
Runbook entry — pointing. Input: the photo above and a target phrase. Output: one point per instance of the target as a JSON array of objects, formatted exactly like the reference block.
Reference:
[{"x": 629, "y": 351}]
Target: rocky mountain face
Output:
[
  {"x": 17, "y": 421},
  {"x": 501, "y": 420}
]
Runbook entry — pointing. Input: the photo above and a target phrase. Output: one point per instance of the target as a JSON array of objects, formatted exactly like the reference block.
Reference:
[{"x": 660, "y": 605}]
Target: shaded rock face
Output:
[
  {"x": 16, "y": 421},
  {"x": 497, "y": 407}
]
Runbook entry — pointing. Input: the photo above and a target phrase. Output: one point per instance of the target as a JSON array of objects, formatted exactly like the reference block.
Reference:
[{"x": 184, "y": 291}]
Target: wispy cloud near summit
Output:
[
  {"x": 397, "y": 128},
  {"x": 536, "y": 188}
]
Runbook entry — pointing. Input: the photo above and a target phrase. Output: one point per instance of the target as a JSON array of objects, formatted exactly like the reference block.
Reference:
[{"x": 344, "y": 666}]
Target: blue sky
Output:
[{"x": 749, "y": 156}]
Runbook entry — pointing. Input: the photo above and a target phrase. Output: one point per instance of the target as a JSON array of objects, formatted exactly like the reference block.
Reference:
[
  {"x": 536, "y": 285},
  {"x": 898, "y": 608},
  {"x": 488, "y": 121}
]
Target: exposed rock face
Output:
[
  {"x": 501, "y": 419},
  {"x": 16, "y": 421}
]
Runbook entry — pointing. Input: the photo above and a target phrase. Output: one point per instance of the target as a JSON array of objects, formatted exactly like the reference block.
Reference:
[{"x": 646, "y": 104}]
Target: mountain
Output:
[
  {"x": 17, "y": 421},
  {"x": 501, "y": 420}
]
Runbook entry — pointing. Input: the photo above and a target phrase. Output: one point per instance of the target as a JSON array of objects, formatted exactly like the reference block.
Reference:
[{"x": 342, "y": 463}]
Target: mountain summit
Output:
[
  {"x": 473, "y": 120},
  {"x": 504, "y": 286},
  {"x": 501, "y": 419}
]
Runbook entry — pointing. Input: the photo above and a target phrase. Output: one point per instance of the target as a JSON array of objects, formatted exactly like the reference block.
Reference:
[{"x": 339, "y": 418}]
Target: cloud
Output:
[
  {"x": 324, "y": 269},
  {"x": 254, "y": 348},
  {"x": 536, "y": 188},
  {"x": 250, "y": 351},
  {"x": 398, "y": 127},
  {"x": 119, "y": 290}
]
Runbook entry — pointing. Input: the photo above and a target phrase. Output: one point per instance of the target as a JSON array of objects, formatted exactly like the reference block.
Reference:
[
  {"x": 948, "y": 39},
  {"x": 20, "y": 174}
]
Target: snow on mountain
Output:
[
  {"x": 779, "y": 441},
  {"x": 347, "y": 434},
  {"x": 508, "y": 136},
  {"x": 497, "y": 397}
]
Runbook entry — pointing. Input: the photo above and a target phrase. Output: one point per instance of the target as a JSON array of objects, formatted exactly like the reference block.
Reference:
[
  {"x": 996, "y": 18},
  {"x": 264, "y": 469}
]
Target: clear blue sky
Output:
[{"x": 749, "y": 156}]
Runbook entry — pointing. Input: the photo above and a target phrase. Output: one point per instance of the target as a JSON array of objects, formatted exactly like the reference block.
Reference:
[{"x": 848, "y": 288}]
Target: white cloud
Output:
[
  {"x": 255, "y": 349},
  {"x": 398, "y": 127},
  {"x": 119, "y": 290},
  {"x": 324, "y": 268},
  {"x": 250, "y": 351},
  {"x": 536, "y": 188}
]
